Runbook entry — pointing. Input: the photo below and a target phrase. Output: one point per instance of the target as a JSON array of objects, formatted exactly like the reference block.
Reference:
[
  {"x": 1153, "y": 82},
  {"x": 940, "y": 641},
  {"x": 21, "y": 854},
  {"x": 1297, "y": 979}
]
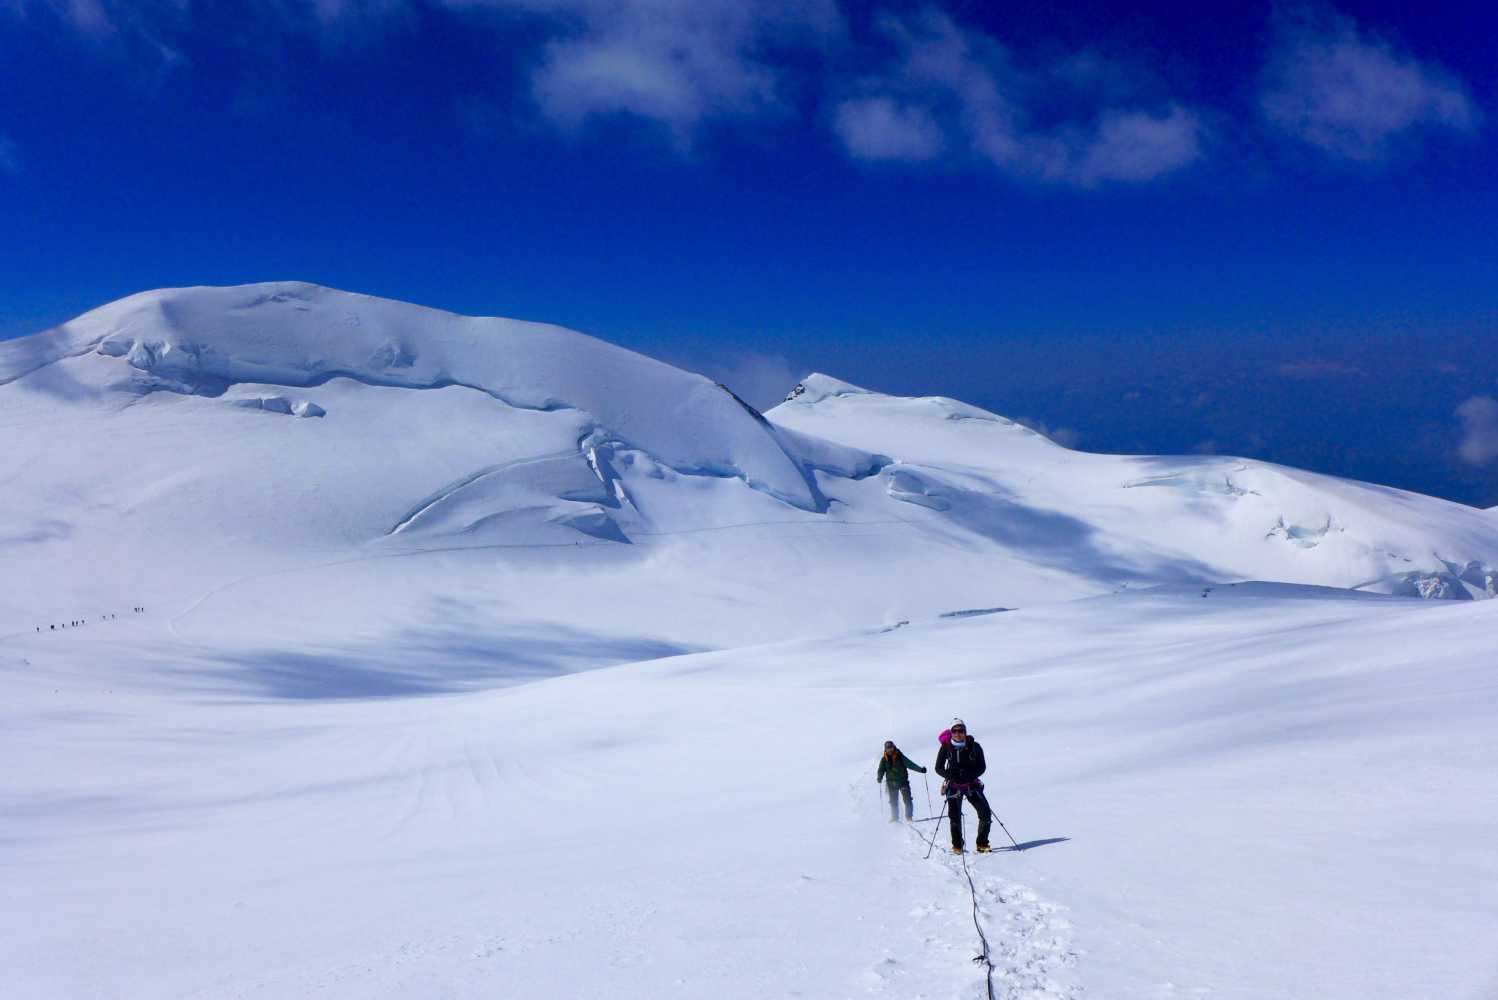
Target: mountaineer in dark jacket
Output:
[
  {"x": 960, "y": 761},
  {"x": 894, "y": 771}
]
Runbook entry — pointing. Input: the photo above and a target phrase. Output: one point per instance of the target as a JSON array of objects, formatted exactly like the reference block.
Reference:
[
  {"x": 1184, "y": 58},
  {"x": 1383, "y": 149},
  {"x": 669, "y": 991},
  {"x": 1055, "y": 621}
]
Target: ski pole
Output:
[
  {"x": 935, "y": 830},
  {"x": 930, "y": 809},
  {"x": 1005, "y": 829}
]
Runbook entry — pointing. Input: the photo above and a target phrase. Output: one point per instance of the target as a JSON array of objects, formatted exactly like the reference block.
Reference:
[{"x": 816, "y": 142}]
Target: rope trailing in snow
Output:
[
  {"x": 983, "y": 958},
  {"x": 972, "y": 889}
]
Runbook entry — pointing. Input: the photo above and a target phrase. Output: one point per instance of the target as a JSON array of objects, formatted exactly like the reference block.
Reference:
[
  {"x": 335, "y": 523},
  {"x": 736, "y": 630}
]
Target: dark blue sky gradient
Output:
[{"x": 1265, "y": 300}]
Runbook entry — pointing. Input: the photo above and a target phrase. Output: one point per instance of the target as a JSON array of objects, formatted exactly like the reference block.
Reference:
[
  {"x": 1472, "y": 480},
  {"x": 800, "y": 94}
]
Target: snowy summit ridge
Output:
[
  {"x": 816, "y": 387},
  {"x": 203, "y": 341},
  {"x": 436, "y": 432}
]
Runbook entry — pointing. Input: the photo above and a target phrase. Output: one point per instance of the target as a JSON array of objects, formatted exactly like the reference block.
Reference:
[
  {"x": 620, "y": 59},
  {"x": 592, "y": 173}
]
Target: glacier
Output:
[{"x": 354, "y": 648}]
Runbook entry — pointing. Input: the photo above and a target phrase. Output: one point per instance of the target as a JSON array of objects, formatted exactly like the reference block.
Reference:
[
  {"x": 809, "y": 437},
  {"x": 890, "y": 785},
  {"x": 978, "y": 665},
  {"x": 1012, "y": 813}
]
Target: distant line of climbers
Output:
[{"x": 84, "y": 621}]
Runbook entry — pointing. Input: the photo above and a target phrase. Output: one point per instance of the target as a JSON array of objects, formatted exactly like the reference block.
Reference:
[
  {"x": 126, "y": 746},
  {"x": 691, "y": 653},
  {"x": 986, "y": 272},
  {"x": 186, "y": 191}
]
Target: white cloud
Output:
[
  {"x": 676, "y": 85},
  {"x": 10, "y": 160},
  {"x": 679, "y": 63},
  {"x": 1479, "y": 417},
  {"x": 947, "y": 86},
  {"x": 1350, "y": 94},
  {"x": 882, "y": 128},
  {"x": 916, "y": 86},
  {"x": 1137, "y": 146}
]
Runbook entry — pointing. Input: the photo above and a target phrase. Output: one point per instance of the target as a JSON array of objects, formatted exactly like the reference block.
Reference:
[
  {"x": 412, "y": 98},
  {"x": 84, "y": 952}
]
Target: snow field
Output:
[{"x": 1261, "y": 794}]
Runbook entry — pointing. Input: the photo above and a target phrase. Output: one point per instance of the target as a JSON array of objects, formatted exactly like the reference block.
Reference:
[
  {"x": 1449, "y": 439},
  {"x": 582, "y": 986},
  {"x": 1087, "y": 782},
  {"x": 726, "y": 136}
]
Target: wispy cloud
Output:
[
  {"x": 136, "y": 30},
  {"x": 761, "y": 380},
  {"x": 1351, "y": 94},
  {"x": 945, "y": 86},
  {"x": 676, "y": 64},
  {"x": 894, "y": 83},
  {"x": 1066, "y": 437},
  {"x": 884, "y": 128},
  {"x": 1479, "y": 419},
  {"x": 673, "y": 63},
  {"x": 10, "y": 155},
  {"x": 1135, "y": 146}
]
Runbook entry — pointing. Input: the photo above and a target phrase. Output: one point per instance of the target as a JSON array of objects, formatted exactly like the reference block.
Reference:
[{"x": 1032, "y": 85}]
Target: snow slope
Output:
[
  {"x": 205, "y": 341},
  {"x": 1274, "y": 794},
  {"x": 174, "y": 449},
  {"x": 291, "y": 576},
  {"x": 1153, "y": 517}
]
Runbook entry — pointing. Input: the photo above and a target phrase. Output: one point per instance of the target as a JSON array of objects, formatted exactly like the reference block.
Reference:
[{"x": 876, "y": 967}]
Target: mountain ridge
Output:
[{"x": 159, "y": 433}]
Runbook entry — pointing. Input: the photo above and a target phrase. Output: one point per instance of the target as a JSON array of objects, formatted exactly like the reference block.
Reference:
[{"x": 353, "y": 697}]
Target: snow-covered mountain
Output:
[
  {"x": 189, "y": 438},
  {"x": 1123, "y": 519},
  {"x": 278, "y": 560}
]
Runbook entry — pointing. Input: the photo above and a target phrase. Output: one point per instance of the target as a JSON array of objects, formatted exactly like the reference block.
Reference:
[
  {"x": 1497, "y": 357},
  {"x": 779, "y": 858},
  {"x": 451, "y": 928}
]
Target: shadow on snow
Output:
[
  {"x": 1031, "y": 844},
  {"x": 427, "y": 662}
]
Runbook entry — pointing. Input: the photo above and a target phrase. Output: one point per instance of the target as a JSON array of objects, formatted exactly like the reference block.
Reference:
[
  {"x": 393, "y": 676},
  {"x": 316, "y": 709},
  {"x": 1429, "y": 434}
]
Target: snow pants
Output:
[
  {"x": 895, "y": 791},
  {"x": 954, "y": 815}
]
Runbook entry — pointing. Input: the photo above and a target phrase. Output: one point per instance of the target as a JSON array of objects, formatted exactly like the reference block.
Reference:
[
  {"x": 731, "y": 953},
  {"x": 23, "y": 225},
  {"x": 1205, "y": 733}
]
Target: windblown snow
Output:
[{"x": 293, "y": 576}]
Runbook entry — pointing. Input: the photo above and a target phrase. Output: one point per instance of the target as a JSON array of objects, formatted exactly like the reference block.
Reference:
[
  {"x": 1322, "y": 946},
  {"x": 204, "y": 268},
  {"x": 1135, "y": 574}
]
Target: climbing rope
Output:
[
  {"x": 972, "y": 889},
  {"x": 982, "y": 959}
]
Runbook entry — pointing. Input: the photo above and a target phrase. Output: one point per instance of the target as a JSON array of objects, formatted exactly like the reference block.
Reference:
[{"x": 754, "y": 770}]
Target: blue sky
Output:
[{"x": 1268, "y": 230}]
